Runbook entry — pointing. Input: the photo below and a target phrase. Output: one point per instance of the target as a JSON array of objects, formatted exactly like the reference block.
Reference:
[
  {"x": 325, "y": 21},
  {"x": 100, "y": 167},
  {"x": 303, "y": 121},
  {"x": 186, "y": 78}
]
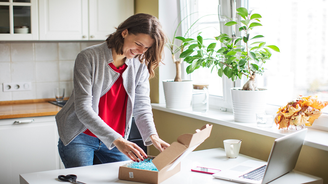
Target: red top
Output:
[{"x": 112, "y": 106}]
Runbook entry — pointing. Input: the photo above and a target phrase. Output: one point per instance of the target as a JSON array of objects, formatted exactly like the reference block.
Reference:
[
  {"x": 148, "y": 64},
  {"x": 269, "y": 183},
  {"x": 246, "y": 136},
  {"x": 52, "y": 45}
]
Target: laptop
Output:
[{"x": 282, "y": 159}]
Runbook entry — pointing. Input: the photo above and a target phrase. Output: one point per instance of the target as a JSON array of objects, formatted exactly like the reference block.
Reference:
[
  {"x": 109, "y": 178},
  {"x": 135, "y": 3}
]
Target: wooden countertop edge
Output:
[
  {"x": 28, "y": 115},
  {"x": 14, "y": 102},
  {"x": 51, "y": 112}
]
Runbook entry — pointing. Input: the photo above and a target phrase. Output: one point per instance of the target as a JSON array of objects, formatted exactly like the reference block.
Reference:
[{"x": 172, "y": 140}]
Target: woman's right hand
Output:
[{"x": 130, "y": 149}]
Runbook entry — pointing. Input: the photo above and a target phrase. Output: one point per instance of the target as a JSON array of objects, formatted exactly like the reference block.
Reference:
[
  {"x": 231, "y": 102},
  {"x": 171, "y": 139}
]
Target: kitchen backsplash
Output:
[{"x": 46, "y": 65}]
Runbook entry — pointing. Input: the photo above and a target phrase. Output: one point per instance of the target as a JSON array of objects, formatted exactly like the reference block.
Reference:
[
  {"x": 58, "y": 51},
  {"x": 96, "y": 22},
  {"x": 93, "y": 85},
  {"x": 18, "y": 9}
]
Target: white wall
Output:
[
  {"x": 169, "y": 17},
  {"x": 46, "y": 65}
]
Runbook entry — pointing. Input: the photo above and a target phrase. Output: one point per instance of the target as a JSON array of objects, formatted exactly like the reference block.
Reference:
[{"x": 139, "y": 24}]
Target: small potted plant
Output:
[
  {"x": 178, "y": 92},
  {"x": 237, "y": 57}
]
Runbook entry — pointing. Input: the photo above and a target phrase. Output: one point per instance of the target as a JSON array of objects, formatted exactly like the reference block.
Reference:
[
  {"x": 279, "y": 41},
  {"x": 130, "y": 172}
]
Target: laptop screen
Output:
[{"x": 284, "y": 155}]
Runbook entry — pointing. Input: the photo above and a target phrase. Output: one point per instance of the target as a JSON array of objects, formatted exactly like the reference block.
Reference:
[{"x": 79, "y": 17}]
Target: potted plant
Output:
[
  {"x": 178, "y": 92},
  {"x": 237, "y": 57}
]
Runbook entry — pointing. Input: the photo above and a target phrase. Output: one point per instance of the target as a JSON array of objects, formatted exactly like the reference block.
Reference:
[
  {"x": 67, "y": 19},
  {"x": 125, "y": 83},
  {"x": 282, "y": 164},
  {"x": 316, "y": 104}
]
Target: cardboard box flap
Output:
[
  {"x": 169, "y": 155},
  {"x": 190, "y": 140},
  {"x": 186, "y": 144}
]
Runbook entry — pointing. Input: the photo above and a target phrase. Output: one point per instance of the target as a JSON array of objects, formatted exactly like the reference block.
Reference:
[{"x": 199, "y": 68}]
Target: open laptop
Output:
[{"x": 282, "y": 159}]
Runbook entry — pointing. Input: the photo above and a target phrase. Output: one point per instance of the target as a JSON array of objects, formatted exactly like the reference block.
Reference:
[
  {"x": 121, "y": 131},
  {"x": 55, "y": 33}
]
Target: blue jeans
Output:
[{"x": 84, "y": 148}]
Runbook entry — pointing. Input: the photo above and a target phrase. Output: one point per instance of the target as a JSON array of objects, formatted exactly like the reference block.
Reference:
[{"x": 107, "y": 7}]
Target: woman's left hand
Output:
[{"x": 159, "y": 143}]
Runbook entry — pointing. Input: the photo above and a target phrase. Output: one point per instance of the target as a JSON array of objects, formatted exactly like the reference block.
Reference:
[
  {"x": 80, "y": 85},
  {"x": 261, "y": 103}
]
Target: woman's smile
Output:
[
  {"x": 132, "y": 52},
  {"x": 135, "y": 44}
]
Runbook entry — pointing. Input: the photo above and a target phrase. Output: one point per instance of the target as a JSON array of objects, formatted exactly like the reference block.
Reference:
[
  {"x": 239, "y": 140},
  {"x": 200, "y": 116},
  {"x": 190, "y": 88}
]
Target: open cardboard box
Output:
[{"x": 167, "y": 162}]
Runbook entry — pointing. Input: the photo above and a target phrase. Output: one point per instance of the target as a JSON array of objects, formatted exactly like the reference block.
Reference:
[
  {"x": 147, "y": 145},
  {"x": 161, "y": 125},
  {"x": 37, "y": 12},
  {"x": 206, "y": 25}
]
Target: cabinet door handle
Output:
[
  {"x": 84, "y": 36},
  {"x": 92, "y": 36},
  {"x": 23, "y": 121}
]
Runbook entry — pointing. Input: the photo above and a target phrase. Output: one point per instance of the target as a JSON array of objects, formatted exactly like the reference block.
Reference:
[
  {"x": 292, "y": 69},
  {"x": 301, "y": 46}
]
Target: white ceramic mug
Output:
[{"x": 232, "y": 147}]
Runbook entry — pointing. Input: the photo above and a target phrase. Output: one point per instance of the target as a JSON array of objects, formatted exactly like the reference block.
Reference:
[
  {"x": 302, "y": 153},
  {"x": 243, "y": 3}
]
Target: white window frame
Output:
[{"x": 224, "y": 102}]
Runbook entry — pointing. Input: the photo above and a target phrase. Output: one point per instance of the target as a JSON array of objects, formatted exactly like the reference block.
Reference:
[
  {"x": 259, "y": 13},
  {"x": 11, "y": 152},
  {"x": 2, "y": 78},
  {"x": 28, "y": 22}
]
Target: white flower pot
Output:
[
  {"x": 246, "y": 104},
  {"x": 178, "y": 94}
]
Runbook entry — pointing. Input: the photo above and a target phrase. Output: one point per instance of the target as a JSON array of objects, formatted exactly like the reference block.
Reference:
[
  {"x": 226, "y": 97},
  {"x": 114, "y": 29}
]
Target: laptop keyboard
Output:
[{"x": 256, "y": 175}]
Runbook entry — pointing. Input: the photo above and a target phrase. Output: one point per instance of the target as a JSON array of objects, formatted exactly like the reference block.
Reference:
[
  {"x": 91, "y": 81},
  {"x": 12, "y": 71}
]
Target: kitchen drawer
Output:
[{"x": 27, "y": 147}]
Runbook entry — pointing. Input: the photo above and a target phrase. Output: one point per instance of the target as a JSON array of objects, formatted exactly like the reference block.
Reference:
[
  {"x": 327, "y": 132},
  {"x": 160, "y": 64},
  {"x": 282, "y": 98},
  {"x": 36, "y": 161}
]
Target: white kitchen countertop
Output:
[{"x": 213, "y": 158}]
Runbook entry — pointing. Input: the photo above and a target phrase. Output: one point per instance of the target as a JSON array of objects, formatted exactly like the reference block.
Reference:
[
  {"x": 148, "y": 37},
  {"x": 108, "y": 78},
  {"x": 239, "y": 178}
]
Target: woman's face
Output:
[{"x": 135, "y": 44}]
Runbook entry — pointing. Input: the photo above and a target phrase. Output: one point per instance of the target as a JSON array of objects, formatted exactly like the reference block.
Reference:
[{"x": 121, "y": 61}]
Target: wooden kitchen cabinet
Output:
[
  {"x": 19, "y": 20},
  {"x": 81, "y": 19},
  {"x": 27, "y": 147}
]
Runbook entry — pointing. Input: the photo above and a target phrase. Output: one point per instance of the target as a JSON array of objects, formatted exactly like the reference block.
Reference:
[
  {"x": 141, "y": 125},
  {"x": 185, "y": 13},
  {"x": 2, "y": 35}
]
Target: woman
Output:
[{"x": 110, "y": 85}]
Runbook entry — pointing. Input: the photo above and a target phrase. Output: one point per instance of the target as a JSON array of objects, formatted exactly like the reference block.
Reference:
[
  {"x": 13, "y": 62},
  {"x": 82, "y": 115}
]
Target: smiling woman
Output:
[
  {"x": 111, "y": 84},
  {"x": 135, "y": 44},
  {"x": 137, "y": 28}
]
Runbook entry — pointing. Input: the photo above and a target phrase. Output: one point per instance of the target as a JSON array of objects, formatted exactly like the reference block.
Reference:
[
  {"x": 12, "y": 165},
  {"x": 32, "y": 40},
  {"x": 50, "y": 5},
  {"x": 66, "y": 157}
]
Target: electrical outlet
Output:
[{"x": 16, "y": 86}]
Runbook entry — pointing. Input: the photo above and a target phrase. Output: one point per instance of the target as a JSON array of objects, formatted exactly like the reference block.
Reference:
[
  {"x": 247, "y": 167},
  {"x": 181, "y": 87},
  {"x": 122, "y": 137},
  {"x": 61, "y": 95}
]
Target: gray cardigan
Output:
[{"x": 93, "y": 78}]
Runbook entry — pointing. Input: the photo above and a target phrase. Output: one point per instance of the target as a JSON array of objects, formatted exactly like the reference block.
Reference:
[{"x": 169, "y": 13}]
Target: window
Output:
[
  {"x": 207, "y": 24},
  {"x": 299, "y": 28}
]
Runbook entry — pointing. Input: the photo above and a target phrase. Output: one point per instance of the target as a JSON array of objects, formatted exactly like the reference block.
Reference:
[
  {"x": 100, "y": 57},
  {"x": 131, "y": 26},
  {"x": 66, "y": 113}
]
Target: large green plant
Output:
[{"x": 238, "y": 56}]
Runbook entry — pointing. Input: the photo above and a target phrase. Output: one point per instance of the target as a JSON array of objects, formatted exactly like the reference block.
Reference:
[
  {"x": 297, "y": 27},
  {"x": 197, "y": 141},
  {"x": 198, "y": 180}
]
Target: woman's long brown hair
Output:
[{"x": 146, "y": 24}]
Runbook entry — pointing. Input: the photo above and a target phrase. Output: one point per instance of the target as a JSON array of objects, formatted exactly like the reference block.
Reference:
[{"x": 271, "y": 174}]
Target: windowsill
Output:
[{"x": 315, "y": 138}]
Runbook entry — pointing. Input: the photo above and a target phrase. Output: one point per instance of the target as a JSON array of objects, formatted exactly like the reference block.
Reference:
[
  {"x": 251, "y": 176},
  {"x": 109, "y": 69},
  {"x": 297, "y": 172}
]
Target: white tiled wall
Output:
[{"x": 46, "y": 65}]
